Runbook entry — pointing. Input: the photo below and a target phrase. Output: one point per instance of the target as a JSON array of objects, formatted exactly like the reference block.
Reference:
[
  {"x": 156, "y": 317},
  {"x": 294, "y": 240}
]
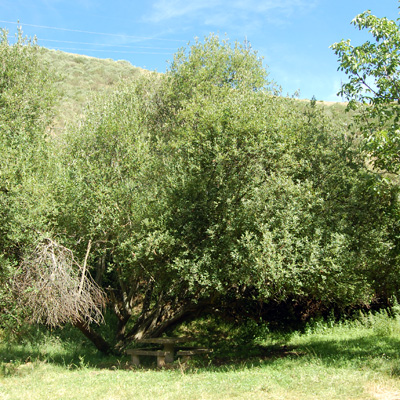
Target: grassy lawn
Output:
[{"x": 338, "y": 362}]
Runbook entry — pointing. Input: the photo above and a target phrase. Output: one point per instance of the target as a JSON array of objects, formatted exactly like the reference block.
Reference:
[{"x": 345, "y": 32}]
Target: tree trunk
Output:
[
  {"x": 162, "y": 319},
  {"x": 94, "y": 337}
]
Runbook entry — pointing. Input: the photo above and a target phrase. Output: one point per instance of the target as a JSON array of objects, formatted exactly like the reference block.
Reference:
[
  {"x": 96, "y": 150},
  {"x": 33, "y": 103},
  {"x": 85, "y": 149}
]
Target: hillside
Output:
[{"x": 82, "y": 76}]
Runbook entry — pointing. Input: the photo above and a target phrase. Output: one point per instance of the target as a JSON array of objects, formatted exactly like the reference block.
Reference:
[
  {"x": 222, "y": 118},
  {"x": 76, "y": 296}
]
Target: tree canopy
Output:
[
  {"x": 203, "y": 185},
  {"x": 190, "y": 192}
]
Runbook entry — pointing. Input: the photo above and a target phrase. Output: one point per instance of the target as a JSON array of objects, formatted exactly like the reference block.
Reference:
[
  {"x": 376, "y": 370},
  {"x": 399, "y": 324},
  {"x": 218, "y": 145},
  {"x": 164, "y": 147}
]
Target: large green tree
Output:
[{"x": 202, "y": 184}]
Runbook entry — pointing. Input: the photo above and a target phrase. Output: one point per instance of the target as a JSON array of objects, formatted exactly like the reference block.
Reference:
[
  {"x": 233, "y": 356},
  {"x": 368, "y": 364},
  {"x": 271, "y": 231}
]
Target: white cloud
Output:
[
  {"x": 169, "y": 9},
  {"x": 286, "y": 7},
  {"x": 221, "y": 13}
]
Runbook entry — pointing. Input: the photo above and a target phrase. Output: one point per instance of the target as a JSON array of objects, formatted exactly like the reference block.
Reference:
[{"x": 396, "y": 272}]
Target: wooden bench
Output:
[
  {"x": 166, "y": 355},
  {"x": 160, "y": 354}
]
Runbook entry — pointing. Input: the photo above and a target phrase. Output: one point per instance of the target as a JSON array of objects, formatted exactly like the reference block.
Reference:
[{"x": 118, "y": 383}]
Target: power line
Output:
[
  {"x": 107, "y": 45},
  {"x": 95, "y": 33}
]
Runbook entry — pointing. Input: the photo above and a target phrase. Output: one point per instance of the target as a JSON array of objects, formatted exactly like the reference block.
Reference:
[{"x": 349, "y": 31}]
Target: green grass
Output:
[{"x": 358, "y": 360}]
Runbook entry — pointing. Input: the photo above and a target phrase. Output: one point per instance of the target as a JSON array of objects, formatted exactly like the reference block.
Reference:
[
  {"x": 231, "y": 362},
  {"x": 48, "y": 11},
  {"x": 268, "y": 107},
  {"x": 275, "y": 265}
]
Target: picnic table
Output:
[{"x": 167, "y": 353}]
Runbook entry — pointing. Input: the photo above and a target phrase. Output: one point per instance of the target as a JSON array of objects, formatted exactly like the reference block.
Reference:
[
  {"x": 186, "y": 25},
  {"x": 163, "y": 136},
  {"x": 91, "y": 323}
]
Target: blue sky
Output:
[{"x": 293, "y": 36}]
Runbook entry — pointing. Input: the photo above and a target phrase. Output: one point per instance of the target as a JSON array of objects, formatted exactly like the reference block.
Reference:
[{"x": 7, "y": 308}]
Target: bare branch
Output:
[
  {"x": 55, "y": 288},
  {"x": 84, "y": 267}
]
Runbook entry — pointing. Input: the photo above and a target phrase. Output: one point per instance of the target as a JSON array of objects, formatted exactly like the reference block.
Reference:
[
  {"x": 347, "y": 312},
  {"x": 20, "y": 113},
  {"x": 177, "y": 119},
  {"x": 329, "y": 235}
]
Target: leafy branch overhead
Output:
[{"x": 373, "y": 89}]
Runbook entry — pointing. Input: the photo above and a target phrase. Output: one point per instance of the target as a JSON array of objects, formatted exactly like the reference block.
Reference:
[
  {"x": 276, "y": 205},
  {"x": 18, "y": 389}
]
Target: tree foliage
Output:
[
  {"x": 40, "y": 281},
  {"x": 373, "y": 88},
  {"x": 202, "y": 185},
  {"x": 196, "y": 189},
  {"x": 26, "y": 98}
]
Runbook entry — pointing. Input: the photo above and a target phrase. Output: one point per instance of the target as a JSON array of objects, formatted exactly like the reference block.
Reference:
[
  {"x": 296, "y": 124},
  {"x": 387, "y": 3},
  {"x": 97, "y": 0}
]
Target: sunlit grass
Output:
[
  {"x": 301, "y": 378},
  {"x": 80, "y": 77},
  {"x": 350, "y": 360}
]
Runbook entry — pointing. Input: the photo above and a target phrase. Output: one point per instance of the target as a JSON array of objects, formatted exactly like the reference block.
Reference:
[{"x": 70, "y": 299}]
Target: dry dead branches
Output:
[{"x": 55, "y": 288}]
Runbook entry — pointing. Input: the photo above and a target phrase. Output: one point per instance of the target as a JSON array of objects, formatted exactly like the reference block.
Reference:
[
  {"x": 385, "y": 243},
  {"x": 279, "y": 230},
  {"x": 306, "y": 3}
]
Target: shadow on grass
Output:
[
  {"x": 68, "y": 355},
  {"x": 374, "y": 352},
  {"x": 367, "y": 351},
  {"x": 356, "y": 351},
  {"x": 232, "y": 357}
]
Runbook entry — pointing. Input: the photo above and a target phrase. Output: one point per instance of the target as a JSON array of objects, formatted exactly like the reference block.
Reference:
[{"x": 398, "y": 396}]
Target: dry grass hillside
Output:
[{"x": 80, "y": 77}]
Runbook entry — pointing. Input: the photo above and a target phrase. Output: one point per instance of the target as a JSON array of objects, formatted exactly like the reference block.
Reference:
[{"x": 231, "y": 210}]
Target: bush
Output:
[{"x": 26, "y": 99}]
